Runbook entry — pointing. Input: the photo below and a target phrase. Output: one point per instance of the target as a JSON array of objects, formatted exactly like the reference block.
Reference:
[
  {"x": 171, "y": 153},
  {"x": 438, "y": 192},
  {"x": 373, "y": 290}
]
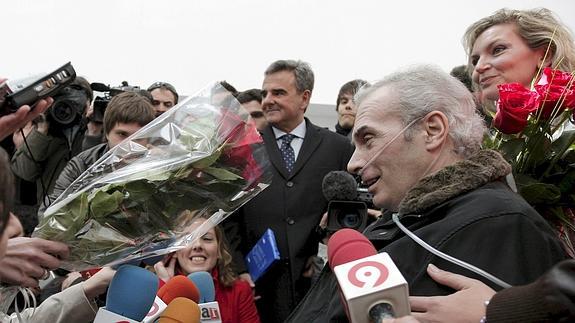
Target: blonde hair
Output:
[{"x": 539, "y": 28}]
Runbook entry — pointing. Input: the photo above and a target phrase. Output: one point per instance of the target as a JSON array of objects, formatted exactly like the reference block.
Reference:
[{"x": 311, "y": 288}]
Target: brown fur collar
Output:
[{"x": 451, "y": 181}]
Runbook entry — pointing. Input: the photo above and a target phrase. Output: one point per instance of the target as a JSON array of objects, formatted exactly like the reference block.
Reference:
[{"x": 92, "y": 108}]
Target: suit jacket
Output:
[{"x": 292, "y": 207}]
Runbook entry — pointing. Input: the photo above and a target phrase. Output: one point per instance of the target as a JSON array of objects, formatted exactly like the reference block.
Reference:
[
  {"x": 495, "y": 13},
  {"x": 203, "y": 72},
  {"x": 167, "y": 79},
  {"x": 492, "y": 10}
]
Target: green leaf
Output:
[
  {"x": 222, "y": 174},
  {"x": 208, "y": 160},
  {"x": 511, "y": 148},
  {"x": 104, "y": 203},
  {"x": 540, "y": 193},
  {"x": 565, "y": 141}
]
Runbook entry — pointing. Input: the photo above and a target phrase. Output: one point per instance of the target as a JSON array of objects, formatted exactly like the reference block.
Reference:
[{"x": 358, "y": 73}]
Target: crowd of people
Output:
[{"x": 413, "y": 138}]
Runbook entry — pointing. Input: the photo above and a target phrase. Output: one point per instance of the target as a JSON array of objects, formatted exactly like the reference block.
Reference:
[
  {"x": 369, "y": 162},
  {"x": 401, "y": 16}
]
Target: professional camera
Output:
[
  {"x": 101, "y": 102},
  {"x": 16, "y": 93},
  {"x": 348, "y": 203},
  {"x": 68, "y": 107}
]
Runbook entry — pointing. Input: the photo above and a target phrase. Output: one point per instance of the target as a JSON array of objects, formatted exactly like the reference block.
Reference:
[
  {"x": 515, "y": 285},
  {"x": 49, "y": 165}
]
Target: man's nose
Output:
[{"x": 355, "y": 164}]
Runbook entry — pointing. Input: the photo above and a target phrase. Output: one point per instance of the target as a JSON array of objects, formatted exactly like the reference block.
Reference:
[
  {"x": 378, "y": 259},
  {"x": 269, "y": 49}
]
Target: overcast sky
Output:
[{"x": 191, "y": 43}]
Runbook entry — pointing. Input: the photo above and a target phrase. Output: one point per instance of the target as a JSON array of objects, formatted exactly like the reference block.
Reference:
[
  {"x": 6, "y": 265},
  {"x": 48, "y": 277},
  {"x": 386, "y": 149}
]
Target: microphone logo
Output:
[
  {"x": 372, "y": 273},
  {"x": 210, "y": 314}
]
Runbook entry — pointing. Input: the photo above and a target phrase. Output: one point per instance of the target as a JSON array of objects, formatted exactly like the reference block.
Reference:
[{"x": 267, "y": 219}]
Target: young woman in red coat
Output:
[{"x": 209, "y": 253}]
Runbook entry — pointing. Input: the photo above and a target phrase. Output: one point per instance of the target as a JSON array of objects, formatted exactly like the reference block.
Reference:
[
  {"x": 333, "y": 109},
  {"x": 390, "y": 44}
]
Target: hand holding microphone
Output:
[{"x": 372, "y": 288}]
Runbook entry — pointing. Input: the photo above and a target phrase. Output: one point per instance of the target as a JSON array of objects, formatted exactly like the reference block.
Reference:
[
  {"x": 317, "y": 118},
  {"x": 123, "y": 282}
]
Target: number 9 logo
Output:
[{"x": 372, "y": 272}]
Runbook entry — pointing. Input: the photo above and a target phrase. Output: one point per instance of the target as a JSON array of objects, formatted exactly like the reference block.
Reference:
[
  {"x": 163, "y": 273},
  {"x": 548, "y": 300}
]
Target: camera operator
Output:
[{"x": 55, "y": 139}]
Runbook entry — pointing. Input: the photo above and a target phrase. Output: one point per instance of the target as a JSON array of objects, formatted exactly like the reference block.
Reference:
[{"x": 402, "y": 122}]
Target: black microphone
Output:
[
  {"x": 344, "y": 210},
  {"x": 339, "y": 185},
  {"x": 100, "y": 87}
]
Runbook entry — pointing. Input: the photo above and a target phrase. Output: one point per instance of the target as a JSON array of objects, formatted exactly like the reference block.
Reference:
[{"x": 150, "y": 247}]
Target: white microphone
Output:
[{"x": 372, "y": 288}]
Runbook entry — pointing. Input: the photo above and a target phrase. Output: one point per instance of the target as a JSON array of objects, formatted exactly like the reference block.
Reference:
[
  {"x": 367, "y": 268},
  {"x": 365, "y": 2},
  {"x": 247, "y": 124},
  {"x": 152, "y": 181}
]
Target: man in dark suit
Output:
[{"x": 301, "y": 154}]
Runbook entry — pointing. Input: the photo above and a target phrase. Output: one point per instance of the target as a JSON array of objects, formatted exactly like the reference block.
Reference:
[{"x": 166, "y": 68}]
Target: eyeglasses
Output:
[{"x": 164, "y": 85}]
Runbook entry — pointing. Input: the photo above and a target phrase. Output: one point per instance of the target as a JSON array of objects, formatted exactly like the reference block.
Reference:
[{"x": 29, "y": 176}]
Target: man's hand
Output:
[
  {"x": 247, "y": 278},
  {"x": 376, "y": 214},
  {"x": 14, "y": 121},
  {"x": 18, "y": 138},
  {"x": 465, "y": 305},
  {"x": 27, "y": 260}
]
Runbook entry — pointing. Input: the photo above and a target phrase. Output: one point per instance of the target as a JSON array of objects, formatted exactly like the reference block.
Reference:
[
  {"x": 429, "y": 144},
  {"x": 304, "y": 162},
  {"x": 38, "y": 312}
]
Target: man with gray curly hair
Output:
[{"x": 418, "y": 149}]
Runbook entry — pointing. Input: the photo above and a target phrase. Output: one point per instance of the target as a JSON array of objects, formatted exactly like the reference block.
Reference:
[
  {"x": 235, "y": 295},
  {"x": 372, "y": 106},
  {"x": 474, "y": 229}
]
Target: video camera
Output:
[
  {"x": 101, "y": 102},
  {"x": 27, "y": 91},
  {"x": 348, "y": 202}
]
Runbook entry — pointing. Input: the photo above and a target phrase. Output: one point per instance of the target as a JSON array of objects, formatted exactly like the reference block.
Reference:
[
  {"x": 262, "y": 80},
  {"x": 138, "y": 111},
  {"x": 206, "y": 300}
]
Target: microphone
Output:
[
  {"x": 205, "y": 284},
  {"x": 339, "y": 185},
  {"x": 178, "y": 286},
  {"x": 181, "y": 310},
  {"x": 209, "y": 308},
  {"x": 100, "y": 87},
  {"x": 372, "y": 288},
  {"x": 344, "y": 210},
  {"x": 130, "y": 295}
]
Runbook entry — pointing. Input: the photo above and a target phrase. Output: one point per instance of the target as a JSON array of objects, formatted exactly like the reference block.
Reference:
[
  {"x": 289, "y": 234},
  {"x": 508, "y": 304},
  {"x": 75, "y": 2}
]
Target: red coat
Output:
[{"x": 236, "y": 303}]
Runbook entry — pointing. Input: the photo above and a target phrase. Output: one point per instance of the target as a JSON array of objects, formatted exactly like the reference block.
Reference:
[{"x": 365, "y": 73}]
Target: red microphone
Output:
[
  {"x": 372, "y": 288},
  {"x": 178, "y": 286}
]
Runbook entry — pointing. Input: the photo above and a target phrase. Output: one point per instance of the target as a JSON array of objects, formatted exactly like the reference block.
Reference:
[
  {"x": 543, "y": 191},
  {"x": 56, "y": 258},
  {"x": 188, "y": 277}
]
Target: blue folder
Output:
[{"x": 262, "y": 255}]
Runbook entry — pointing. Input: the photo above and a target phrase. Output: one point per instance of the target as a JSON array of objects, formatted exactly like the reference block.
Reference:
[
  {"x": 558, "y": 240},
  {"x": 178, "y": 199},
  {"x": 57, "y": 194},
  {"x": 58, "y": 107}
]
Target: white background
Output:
[{"x": 192, "y": 43}]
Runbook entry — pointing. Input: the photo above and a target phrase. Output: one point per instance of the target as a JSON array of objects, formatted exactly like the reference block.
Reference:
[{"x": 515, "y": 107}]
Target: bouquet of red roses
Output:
[{"x": 533, "y": 129}]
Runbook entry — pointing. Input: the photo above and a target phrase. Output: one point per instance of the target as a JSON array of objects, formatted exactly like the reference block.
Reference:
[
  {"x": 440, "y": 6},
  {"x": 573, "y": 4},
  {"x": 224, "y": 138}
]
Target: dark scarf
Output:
[{"x": 342, "y": 131}]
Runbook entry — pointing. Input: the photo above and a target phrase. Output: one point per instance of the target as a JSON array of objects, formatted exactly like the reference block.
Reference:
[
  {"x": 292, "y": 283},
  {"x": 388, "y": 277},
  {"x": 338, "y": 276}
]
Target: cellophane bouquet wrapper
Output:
[{"x": 200, "y": 159}]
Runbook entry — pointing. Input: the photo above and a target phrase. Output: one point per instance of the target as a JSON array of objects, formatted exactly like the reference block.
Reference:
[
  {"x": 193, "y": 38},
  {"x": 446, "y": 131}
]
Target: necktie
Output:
[{"x": 288, "y": 154}]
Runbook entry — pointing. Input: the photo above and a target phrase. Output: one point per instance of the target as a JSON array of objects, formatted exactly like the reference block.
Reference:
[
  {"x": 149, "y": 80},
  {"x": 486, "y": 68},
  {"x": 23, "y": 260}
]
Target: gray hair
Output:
[
  {"x": 304, "y": 78},
  {"x": 425, "y": 88}
]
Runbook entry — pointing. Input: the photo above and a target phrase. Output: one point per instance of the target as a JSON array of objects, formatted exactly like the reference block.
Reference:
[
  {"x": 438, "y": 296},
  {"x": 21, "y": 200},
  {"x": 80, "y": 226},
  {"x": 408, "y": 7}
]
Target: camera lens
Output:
[
  {"x": 349, "y": 220},
  {"x": 63, "y": 113}
]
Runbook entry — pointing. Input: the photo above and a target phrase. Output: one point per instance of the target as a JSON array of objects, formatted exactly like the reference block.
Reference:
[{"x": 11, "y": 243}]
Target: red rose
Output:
[
  {"x": 555, "y": 77},
  {"x": 556, "y": 91},
  {"x": 513, "y": 107}
]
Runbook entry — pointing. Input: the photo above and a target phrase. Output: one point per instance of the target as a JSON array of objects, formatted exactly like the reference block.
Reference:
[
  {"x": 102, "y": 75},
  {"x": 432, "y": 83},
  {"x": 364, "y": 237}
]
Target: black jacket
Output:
[
  {"x": 75, "y": 167},
  {"x": 466, "y": 211}
]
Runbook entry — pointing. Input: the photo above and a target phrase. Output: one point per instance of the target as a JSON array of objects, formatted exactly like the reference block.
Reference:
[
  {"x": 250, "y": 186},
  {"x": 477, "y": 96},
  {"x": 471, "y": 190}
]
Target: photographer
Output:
[{"x": 55, "y": 139}]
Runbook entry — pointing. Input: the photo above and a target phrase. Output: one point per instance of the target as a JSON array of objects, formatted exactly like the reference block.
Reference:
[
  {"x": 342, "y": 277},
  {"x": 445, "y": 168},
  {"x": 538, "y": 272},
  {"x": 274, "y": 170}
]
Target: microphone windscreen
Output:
[
  {"x": 100, "y": 87},
  {"x": 347, "y": 245},
  {"x": 132, "y": 292},
  {"x": 179, "y": 286},
  {"x": 181, "y": 310},
  {"x": 205, "y": 284},
  {"x": 339, "y": 186}
]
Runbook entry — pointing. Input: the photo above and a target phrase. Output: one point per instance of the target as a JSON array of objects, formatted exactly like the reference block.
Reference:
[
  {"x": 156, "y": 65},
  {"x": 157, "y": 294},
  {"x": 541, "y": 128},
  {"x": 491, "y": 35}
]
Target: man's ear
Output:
[
  {"x": 436, "y": 128},
  {"x": 306, "y": 96}
]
